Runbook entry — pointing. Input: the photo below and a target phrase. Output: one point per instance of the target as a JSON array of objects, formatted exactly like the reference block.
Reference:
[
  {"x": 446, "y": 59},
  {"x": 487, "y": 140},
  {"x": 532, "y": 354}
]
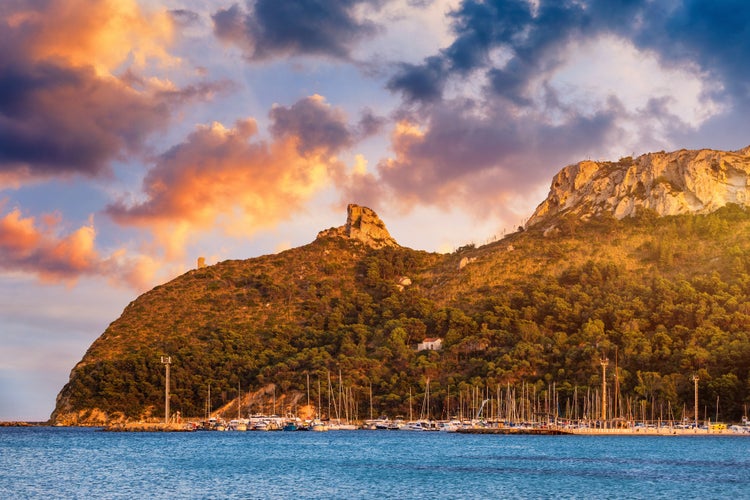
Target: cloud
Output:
[
  {"x": 270, "y": 28},
  {"x": 42, "y": 248},
  {"x": 531, "y": 36},
  {"x": 63, "y": 110},
  {"x": 477, "y": 160},
  {"x": 230, "y": 179},
  {"x": 103, "y": 34},
  {"x": 185, "y": 17},
  {"x": 524, "y": 88},
  {"x": 535, "y": 36},
  {"x": 29, "y": 247},
  {"x": 313, "y": 124},
  {"x": 420, "y": 83},
  {"x": 712, "y": 35},
  {"x": 56, "y": 120},
  {"x": 370, "y": 124}
]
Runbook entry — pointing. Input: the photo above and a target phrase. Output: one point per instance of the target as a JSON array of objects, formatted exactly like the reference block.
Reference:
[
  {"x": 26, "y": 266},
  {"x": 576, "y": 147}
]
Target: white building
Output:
[{"x": 430, "y": 344}]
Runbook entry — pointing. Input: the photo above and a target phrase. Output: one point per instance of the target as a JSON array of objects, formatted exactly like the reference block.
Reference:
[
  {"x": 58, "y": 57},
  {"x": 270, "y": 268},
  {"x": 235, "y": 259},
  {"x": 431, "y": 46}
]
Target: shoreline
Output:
[
  {"x": 649, "y": 431},
  {"x": 24, "y": 423},
  {"x": 545, "y": 431},
  {"x": 146, "y": 427}
]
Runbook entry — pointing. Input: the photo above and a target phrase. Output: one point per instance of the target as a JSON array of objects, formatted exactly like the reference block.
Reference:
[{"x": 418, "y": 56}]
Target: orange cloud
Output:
[
  {"x": 24, "y": 246},
  {"x": 104, "y": 33},
  {"x": 38, "y": 247},
  {"x": 226, "y": 178},
  {"x": 18, "y": 236},
  {"x": 220, "y": 178},
  {"x": 140, "y": 271}
]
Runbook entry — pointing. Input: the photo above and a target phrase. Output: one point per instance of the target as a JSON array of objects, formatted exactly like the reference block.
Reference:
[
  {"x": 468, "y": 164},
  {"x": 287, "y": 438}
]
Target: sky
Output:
[{"x": 139, "y": 135}]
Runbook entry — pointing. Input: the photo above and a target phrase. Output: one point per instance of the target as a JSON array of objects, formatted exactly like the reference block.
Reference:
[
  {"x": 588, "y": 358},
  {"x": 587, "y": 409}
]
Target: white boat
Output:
[
  {"x": 238, "y": 425},
  {"x": 318, "y": 426},
  {"x": 414, "y": 426},
  {"x": 450, "y": 426}
]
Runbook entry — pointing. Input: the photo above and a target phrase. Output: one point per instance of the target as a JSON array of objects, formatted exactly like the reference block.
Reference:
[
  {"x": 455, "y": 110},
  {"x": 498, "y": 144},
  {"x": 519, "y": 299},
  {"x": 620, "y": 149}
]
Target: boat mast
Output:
[
  {"x": 410, "y": 415},
  {"x": 695, "y": 382},
  {"x": 341, "y": 400},
  {"x": 604, "y": 363},
  {"x": 328, "y": 373},
  {"x": 308, "y": 389},
  {"x": 319, "y": 407},
  {"x": 208, "y": 403},
  {"x": 617, "y": 389},
  {"x": 448, "y": 404}
]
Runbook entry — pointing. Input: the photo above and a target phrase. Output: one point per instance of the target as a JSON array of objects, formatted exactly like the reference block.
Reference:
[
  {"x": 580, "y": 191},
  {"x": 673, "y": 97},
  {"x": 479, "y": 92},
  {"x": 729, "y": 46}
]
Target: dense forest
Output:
[{"x": 528, "y": 316}]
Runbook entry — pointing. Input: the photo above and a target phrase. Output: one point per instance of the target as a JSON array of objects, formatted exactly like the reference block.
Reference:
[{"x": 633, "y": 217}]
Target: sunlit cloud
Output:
[
  {"x": 230, "y": 179},
  {"x": 137, "y": 270},
  {"x": 104, "y": 34},
  {"x": 41, "y": 247},
  {"x": 30, "y": 246}
]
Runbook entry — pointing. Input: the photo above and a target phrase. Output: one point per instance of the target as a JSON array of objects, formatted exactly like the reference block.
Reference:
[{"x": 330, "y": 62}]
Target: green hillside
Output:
[{"x": 666, "y": 298}]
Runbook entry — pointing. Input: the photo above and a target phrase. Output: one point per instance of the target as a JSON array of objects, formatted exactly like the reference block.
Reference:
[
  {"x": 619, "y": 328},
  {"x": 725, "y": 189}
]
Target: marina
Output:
[
  {"x": 259, "y": 423},
  {"x": 504, "y": 413}
]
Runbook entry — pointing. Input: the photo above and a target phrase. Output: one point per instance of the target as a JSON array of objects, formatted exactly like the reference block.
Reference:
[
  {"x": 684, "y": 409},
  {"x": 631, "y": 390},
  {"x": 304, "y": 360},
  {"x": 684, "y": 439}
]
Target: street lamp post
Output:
[
  {"x": 604, "y": 363},
  {"x": 166, "y": 361}
]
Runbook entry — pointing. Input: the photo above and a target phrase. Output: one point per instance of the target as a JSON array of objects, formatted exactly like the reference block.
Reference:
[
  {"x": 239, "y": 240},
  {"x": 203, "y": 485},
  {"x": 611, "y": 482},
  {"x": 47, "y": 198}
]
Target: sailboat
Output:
[
  {"x": 424, "y": 423},
  {"x": 240, "y": 424},
  {"x": 317, "y": 424},
  {"x": 209, "y": 422}
]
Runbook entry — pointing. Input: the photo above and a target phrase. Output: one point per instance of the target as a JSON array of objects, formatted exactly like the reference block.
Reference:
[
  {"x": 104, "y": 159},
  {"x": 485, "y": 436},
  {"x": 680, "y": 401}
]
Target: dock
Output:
[
  {"x": 147, "y": 427},
  {"x": 513, "y": 430}
]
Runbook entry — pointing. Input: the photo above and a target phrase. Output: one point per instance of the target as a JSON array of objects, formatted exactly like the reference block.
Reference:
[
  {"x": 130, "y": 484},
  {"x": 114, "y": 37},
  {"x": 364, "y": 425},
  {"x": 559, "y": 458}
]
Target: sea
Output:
[{"x": 72, "y": 463}]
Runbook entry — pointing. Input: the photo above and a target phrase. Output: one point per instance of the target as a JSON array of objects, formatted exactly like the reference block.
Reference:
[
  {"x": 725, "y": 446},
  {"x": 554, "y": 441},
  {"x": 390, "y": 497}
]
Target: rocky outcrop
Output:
[
  {"x": 362, "y": 224},
  {"x": 682, "y": 182}
]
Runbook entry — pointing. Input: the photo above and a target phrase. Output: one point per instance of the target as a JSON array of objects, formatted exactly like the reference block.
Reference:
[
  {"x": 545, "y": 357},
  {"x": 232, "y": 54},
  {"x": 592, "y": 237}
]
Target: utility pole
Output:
[
  {"x": 695, "y": 381},
  {"x": 166, "y": 361},
  {"x": 604, "y": 362}
]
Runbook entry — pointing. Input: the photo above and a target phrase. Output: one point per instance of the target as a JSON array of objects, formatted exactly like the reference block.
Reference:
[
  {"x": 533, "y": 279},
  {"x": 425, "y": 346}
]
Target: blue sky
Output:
[{"x": 136, "y": 136}]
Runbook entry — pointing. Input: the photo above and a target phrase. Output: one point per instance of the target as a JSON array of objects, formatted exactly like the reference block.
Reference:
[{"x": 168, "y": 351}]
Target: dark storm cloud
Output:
[
  {"x": 56, "y": 120},
  {"x": 315, "y": 125},
  {"x": 482, "y": 26},
  {"x": 423, "y": 82},
  {"x": 713, "y": 35},
  {"x": 270, "y": 28}
]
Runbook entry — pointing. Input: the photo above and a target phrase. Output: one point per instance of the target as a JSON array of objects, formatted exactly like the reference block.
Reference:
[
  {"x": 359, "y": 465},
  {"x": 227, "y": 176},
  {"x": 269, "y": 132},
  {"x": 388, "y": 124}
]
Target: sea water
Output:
[{"x": 47, "y": 462}]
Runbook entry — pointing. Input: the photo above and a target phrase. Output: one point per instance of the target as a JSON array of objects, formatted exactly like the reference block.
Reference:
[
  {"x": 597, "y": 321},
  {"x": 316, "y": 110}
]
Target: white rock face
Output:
[{"x": 682, "y": 182}]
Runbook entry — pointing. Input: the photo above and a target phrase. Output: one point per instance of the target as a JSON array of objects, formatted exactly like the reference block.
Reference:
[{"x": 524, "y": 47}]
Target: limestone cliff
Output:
[
  {"x": 362, "y": 224},
  {"x": 681, "y": 182}
]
